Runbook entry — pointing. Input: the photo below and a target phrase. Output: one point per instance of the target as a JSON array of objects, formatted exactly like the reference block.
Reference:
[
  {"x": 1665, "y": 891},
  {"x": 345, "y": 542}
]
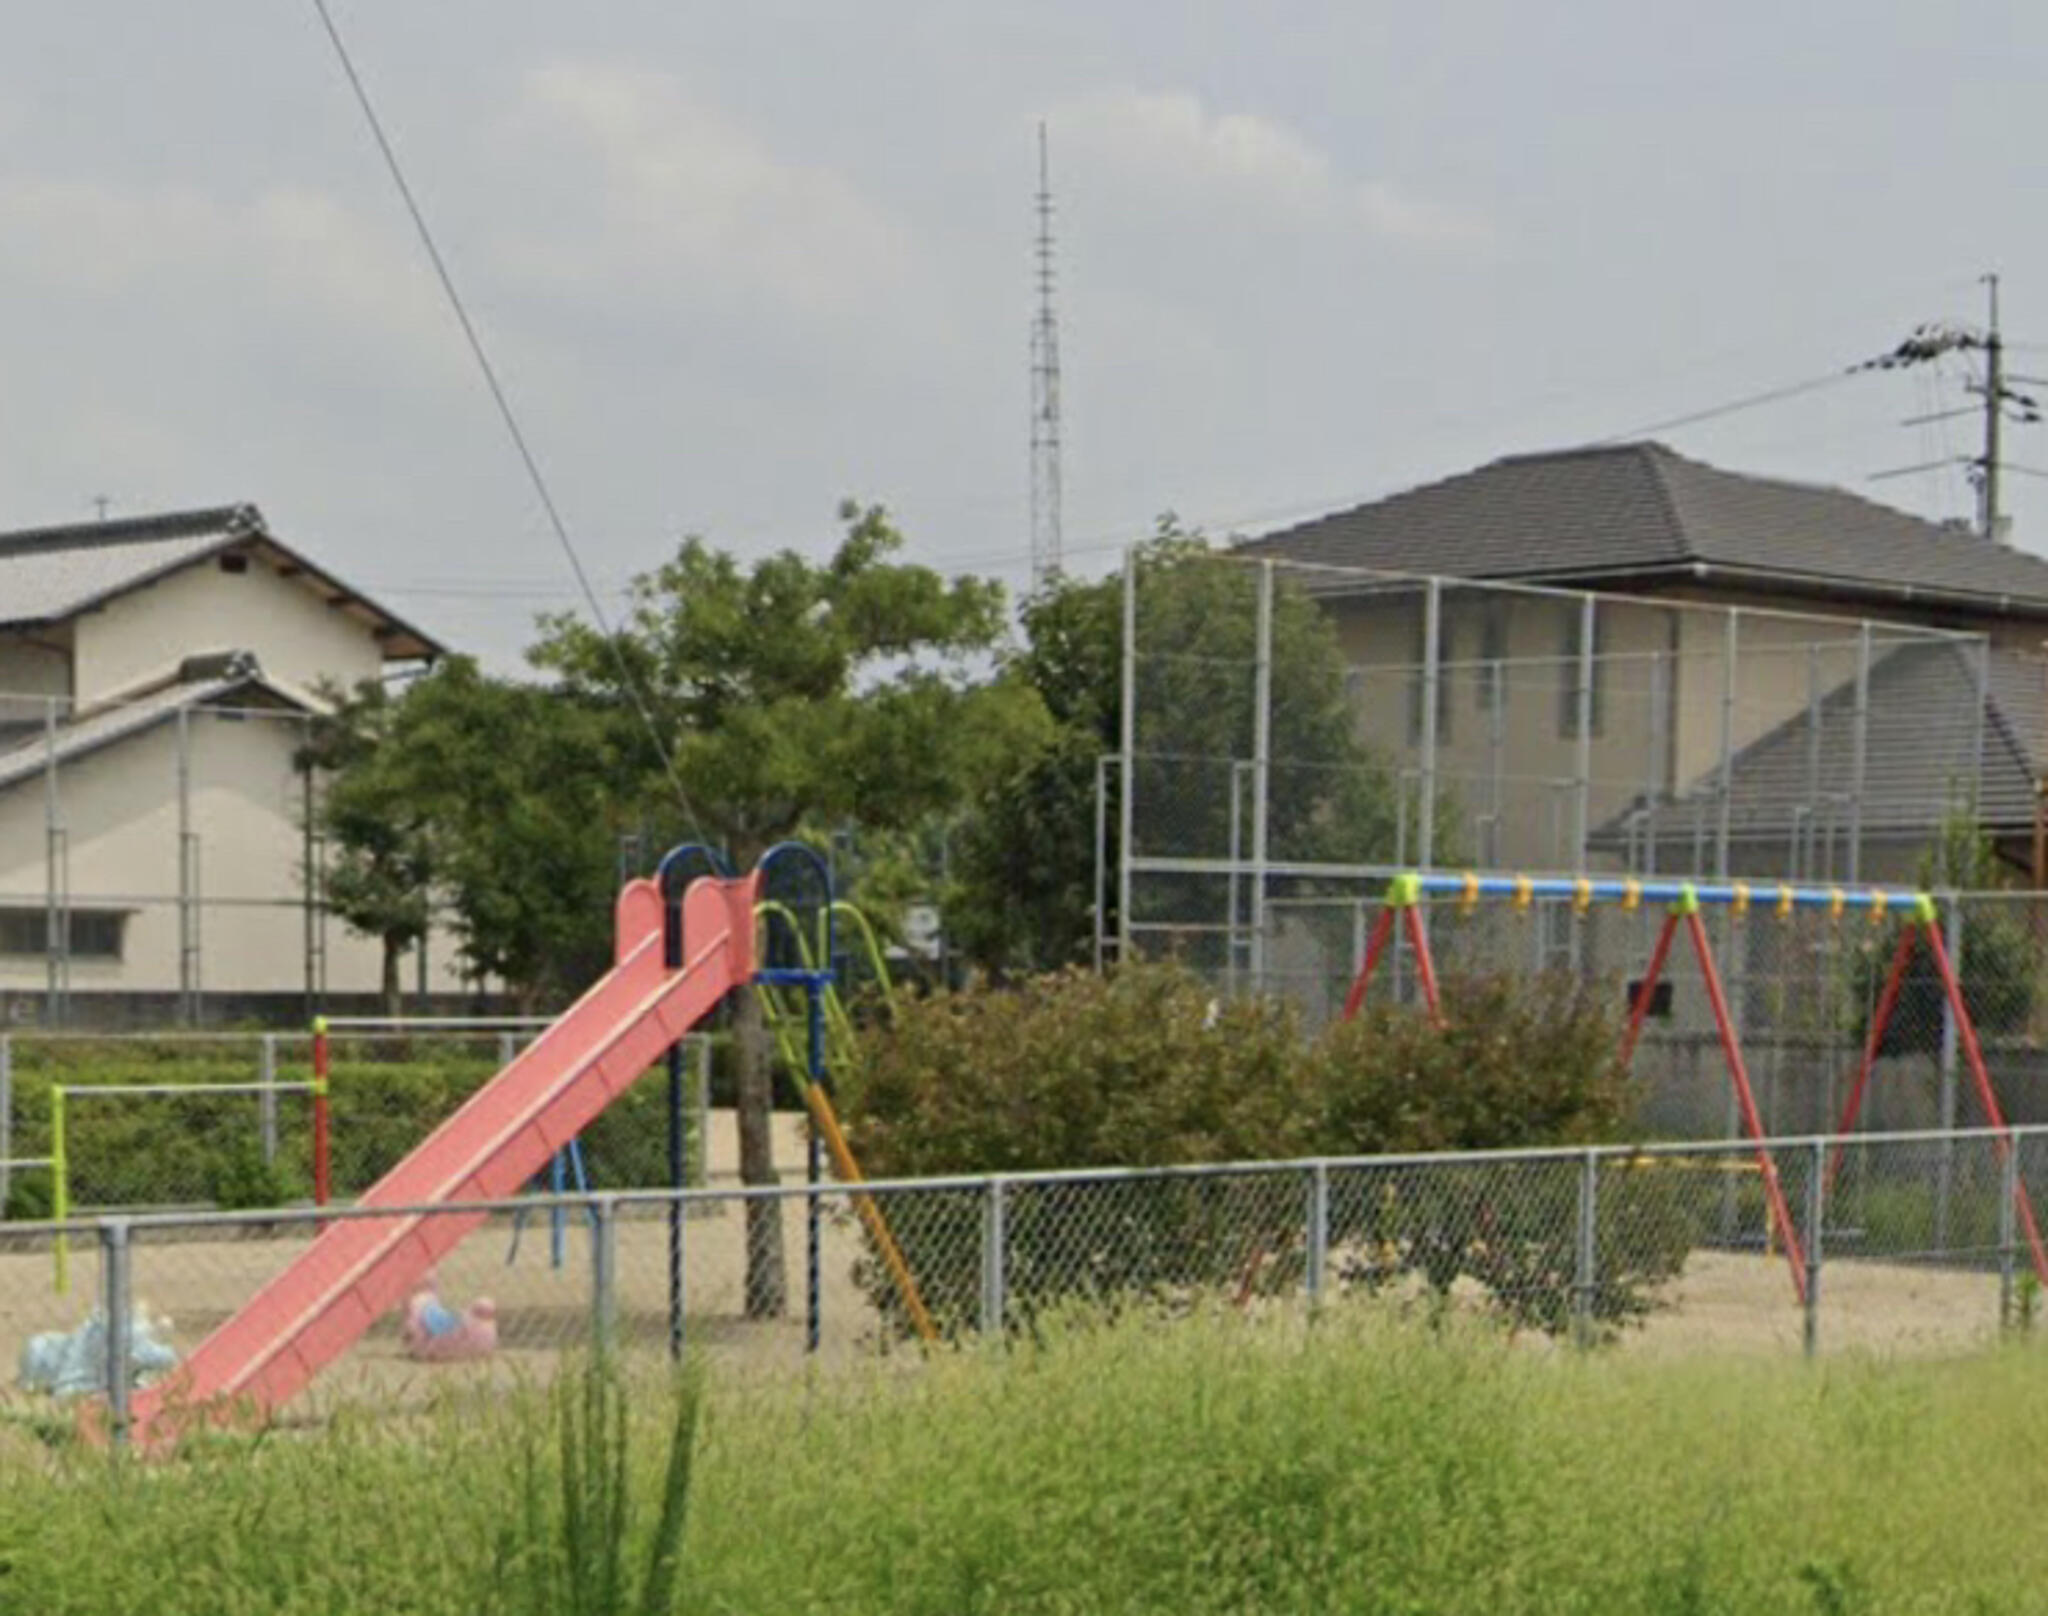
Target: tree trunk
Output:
[
  {"x": 394, "y": 995},
  {"x": 767, "y": 1277}
]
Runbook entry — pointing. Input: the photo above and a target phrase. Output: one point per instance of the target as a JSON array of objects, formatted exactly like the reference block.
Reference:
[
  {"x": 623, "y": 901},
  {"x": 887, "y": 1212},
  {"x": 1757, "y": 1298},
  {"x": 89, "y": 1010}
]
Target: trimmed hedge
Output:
[{"x": 201, "y": 1149}]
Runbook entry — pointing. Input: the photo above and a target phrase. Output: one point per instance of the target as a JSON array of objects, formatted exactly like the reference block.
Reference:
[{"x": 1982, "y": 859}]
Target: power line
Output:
[
  {"x": 505, "y": 411},
  {"x": 1733, "y": 406},
  {"x": 1934, "y": 343}
]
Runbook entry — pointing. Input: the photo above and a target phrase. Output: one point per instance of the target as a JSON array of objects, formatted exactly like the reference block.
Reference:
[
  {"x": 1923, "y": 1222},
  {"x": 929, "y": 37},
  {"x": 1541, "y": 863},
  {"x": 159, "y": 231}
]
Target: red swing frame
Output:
[{"x": 1404, "y": 897}]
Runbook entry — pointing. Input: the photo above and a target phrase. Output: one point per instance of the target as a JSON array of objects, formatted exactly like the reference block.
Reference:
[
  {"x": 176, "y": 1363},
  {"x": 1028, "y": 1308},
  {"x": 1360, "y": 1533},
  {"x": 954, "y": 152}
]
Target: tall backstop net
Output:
[{"x": 1294, "y": 734}]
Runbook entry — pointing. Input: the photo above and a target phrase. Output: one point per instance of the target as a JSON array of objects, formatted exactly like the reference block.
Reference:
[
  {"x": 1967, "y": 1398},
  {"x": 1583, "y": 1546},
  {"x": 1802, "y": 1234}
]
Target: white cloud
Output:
[
  {"x": 683, "y": 188},
  {"x": 1236, "y": 162},
  {"x": 296, "y": 254}
]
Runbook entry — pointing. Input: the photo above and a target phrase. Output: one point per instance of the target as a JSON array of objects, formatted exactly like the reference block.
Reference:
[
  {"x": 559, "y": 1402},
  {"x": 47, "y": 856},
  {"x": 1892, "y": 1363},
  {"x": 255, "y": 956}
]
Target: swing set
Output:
[{"x": 1404, "y": 904}]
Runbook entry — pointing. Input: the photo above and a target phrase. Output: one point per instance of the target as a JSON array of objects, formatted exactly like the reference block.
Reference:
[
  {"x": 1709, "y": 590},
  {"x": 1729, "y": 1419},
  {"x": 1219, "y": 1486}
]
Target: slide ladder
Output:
[
  {"x": 360, "y": 1268},
  {"x": 786, "y": 1015}
]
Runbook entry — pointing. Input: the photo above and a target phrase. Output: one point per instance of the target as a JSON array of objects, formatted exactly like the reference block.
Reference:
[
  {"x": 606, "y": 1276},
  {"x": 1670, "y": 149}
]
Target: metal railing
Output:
[
  {"x": 1904, "y": 1242},
  {"x": 168, "y": 1121}
]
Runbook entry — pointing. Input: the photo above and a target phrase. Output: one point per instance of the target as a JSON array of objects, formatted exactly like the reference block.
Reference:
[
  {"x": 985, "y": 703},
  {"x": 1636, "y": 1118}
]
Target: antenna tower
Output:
[{"x": 1045, "y": 394}]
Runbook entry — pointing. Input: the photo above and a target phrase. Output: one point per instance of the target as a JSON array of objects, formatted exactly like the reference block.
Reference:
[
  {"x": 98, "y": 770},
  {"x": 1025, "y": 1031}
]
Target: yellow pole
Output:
[
  {"x": 60, "y": 1189},
  {"x": 870, "y": 1214}
]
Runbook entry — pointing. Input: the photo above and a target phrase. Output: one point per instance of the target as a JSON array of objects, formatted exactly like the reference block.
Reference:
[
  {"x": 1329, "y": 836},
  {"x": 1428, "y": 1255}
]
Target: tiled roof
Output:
[
  {"x": 54, "y": 572},
  {"x": 51, "y": 573},
  {"x": 1920, "y": 755},
  {"x": 1637, "y": 509}
]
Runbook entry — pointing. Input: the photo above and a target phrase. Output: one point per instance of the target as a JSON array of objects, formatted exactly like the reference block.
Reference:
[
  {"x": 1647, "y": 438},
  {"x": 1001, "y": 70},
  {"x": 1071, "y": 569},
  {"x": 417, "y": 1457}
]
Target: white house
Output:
[{"x": 157, "y": 679}]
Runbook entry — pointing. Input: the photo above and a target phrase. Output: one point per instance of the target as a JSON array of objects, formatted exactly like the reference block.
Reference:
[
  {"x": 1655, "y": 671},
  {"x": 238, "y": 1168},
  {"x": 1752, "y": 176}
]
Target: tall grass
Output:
[{"x": 1205, "y": 1466}]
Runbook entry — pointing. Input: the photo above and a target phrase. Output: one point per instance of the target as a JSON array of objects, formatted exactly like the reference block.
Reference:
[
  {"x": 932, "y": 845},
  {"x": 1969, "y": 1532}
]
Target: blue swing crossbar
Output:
[{"x": 1614, "y": 889}]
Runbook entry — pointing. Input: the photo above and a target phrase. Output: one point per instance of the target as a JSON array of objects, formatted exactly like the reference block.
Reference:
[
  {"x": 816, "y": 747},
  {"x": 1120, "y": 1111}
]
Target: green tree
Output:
[
  {"x": 1998, "y": 970},
  {"x": 1025, "y": 896},
  {"x": 791, "y": 693},
  {"x": 379, "y": 872},
  {"x": 492, "y": 800},
  {"x": 524, "y": 786}
]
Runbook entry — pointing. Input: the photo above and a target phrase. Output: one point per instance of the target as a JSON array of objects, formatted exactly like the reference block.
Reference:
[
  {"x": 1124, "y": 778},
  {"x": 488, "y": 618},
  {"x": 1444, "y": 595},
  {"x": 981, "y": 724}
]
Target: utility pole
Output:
[
  {"x": 1045, "y": 394},
  {"x": 1994, "y": 393},
  {"x": 1927, "y": 345}
]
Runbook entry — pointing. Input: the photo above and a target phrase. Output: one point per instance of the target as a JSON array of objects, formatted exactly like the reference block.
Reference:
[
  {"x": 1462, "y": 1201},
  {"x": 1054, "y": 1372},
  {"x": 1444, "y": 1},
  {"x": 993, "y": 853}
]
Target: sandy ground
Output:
[{"x": 1722, "y": 1302}]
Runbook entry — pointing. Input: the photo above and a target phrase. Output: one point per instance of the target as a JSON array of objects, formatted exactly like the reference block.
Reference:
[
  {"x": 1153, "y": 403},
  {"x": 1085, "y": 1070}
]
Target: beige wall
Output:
[
  {"x": 1663, "y": 687},
  {"x": 140, "y": 637},
  {"x": 32, "y": 665},
  {"x": 1780, "y": 663},
  {"x": 120, "y": 810},
  {"x": 1512, "y": 768}
]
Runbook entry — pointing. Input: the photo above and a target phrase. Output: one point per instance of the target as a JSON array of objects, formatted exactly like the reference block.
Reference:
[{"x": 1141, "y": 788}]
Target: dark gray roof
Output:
[
  {"x": 1640, "y": 510},
  {"x": 48, "y": 574},
  {"x": 1921, "y": 757}
]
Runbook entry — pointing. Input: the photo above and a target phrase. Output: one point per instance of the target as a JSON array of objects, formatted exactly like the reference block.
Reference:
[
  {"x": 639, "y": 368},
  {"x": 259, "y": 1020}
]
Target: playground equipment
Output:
[
  {"x": 675, "y": 960},
  {"x": 564, "y": 1166},
  {"x": 566, "y": 1172},
  {"x": 679, "y": 948},
  {"x": 824, "y": 1055},
  {"x": 1403, "y": 906}
]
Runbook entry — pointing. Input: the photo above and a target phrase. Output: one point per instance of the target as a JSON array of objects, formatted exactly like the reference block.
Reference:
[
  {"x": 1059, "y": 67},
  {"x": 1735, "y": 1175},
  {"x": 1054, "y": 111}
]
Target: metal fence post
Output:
[
  {"x": 1096, "y": 907},
  {"x": 118, "y": 1307},
  {"x": 1731, "y": 650},
  {"x": 6, "y": 1120},
  {"x": 1859, "y": 753},
  {"x": 1262, "y": 772},
  {"x": 994, "y": 1254},
  {"x": 1318, "y": 1231},
  {"x": 1582, "y": 752},
  {"x": 508, "y": 1049},
  {"x": 1127, "y": 746},
  {"x": 188, "y": 989},
  {"x": 1586, "y": 1268},
  {"x": 56, "y": 879},
  {"x": 1432, "y": 659},
  {"x": 604, "y": 1267},
  {"x": 266, "y": 1098},
  {"x": 2008, "y": 1198},
  {"x": 1816, "y": 1213},
  {"x": 1945, "y": 1162}
]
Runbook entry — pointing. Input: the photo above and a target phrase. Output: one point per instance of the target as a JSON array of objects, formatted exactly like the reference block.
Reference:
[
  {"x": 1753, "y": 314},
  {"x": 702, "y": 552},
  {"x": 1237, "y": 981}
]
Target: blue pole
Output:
[
  {"x": 669, "y": 874},
  {"x": 815, "y": 1164},
  {"x": 555, "y": 1220}
]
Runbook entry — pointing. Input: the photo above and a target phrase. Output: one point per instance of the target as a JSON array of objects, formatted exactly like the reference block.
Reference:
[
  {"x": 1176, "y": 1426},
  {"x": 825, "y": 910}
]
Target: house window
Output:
[
  {"x": 1568, "y": 682},
  {"x": 94, "y": 933}
]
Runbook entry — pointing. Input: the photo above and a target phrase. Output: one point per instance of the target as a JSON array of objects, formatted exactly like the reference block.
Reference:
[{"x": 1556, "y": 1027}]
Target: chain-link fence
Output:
[
  {"x": 1919, "y": 1242},
  {"x": 226, "y": 1121},
  {"x": 1289, "y": 731},
  {"x": 162, "y": 861}
]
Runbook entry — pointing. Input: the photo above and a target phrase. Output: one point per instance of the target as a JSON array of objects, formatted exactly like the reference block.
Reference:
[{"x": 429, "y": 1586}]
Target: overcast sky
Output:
[{"x": 738, "y": 262}]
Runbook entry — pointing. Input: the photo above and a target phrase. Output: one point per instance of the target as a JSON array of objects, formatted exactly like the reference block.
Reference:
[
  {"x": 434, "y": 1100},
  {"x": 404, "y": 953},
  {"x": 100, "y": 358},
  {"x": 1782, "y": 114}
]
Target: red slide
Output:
[{"x": 360, "y": 1268}]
